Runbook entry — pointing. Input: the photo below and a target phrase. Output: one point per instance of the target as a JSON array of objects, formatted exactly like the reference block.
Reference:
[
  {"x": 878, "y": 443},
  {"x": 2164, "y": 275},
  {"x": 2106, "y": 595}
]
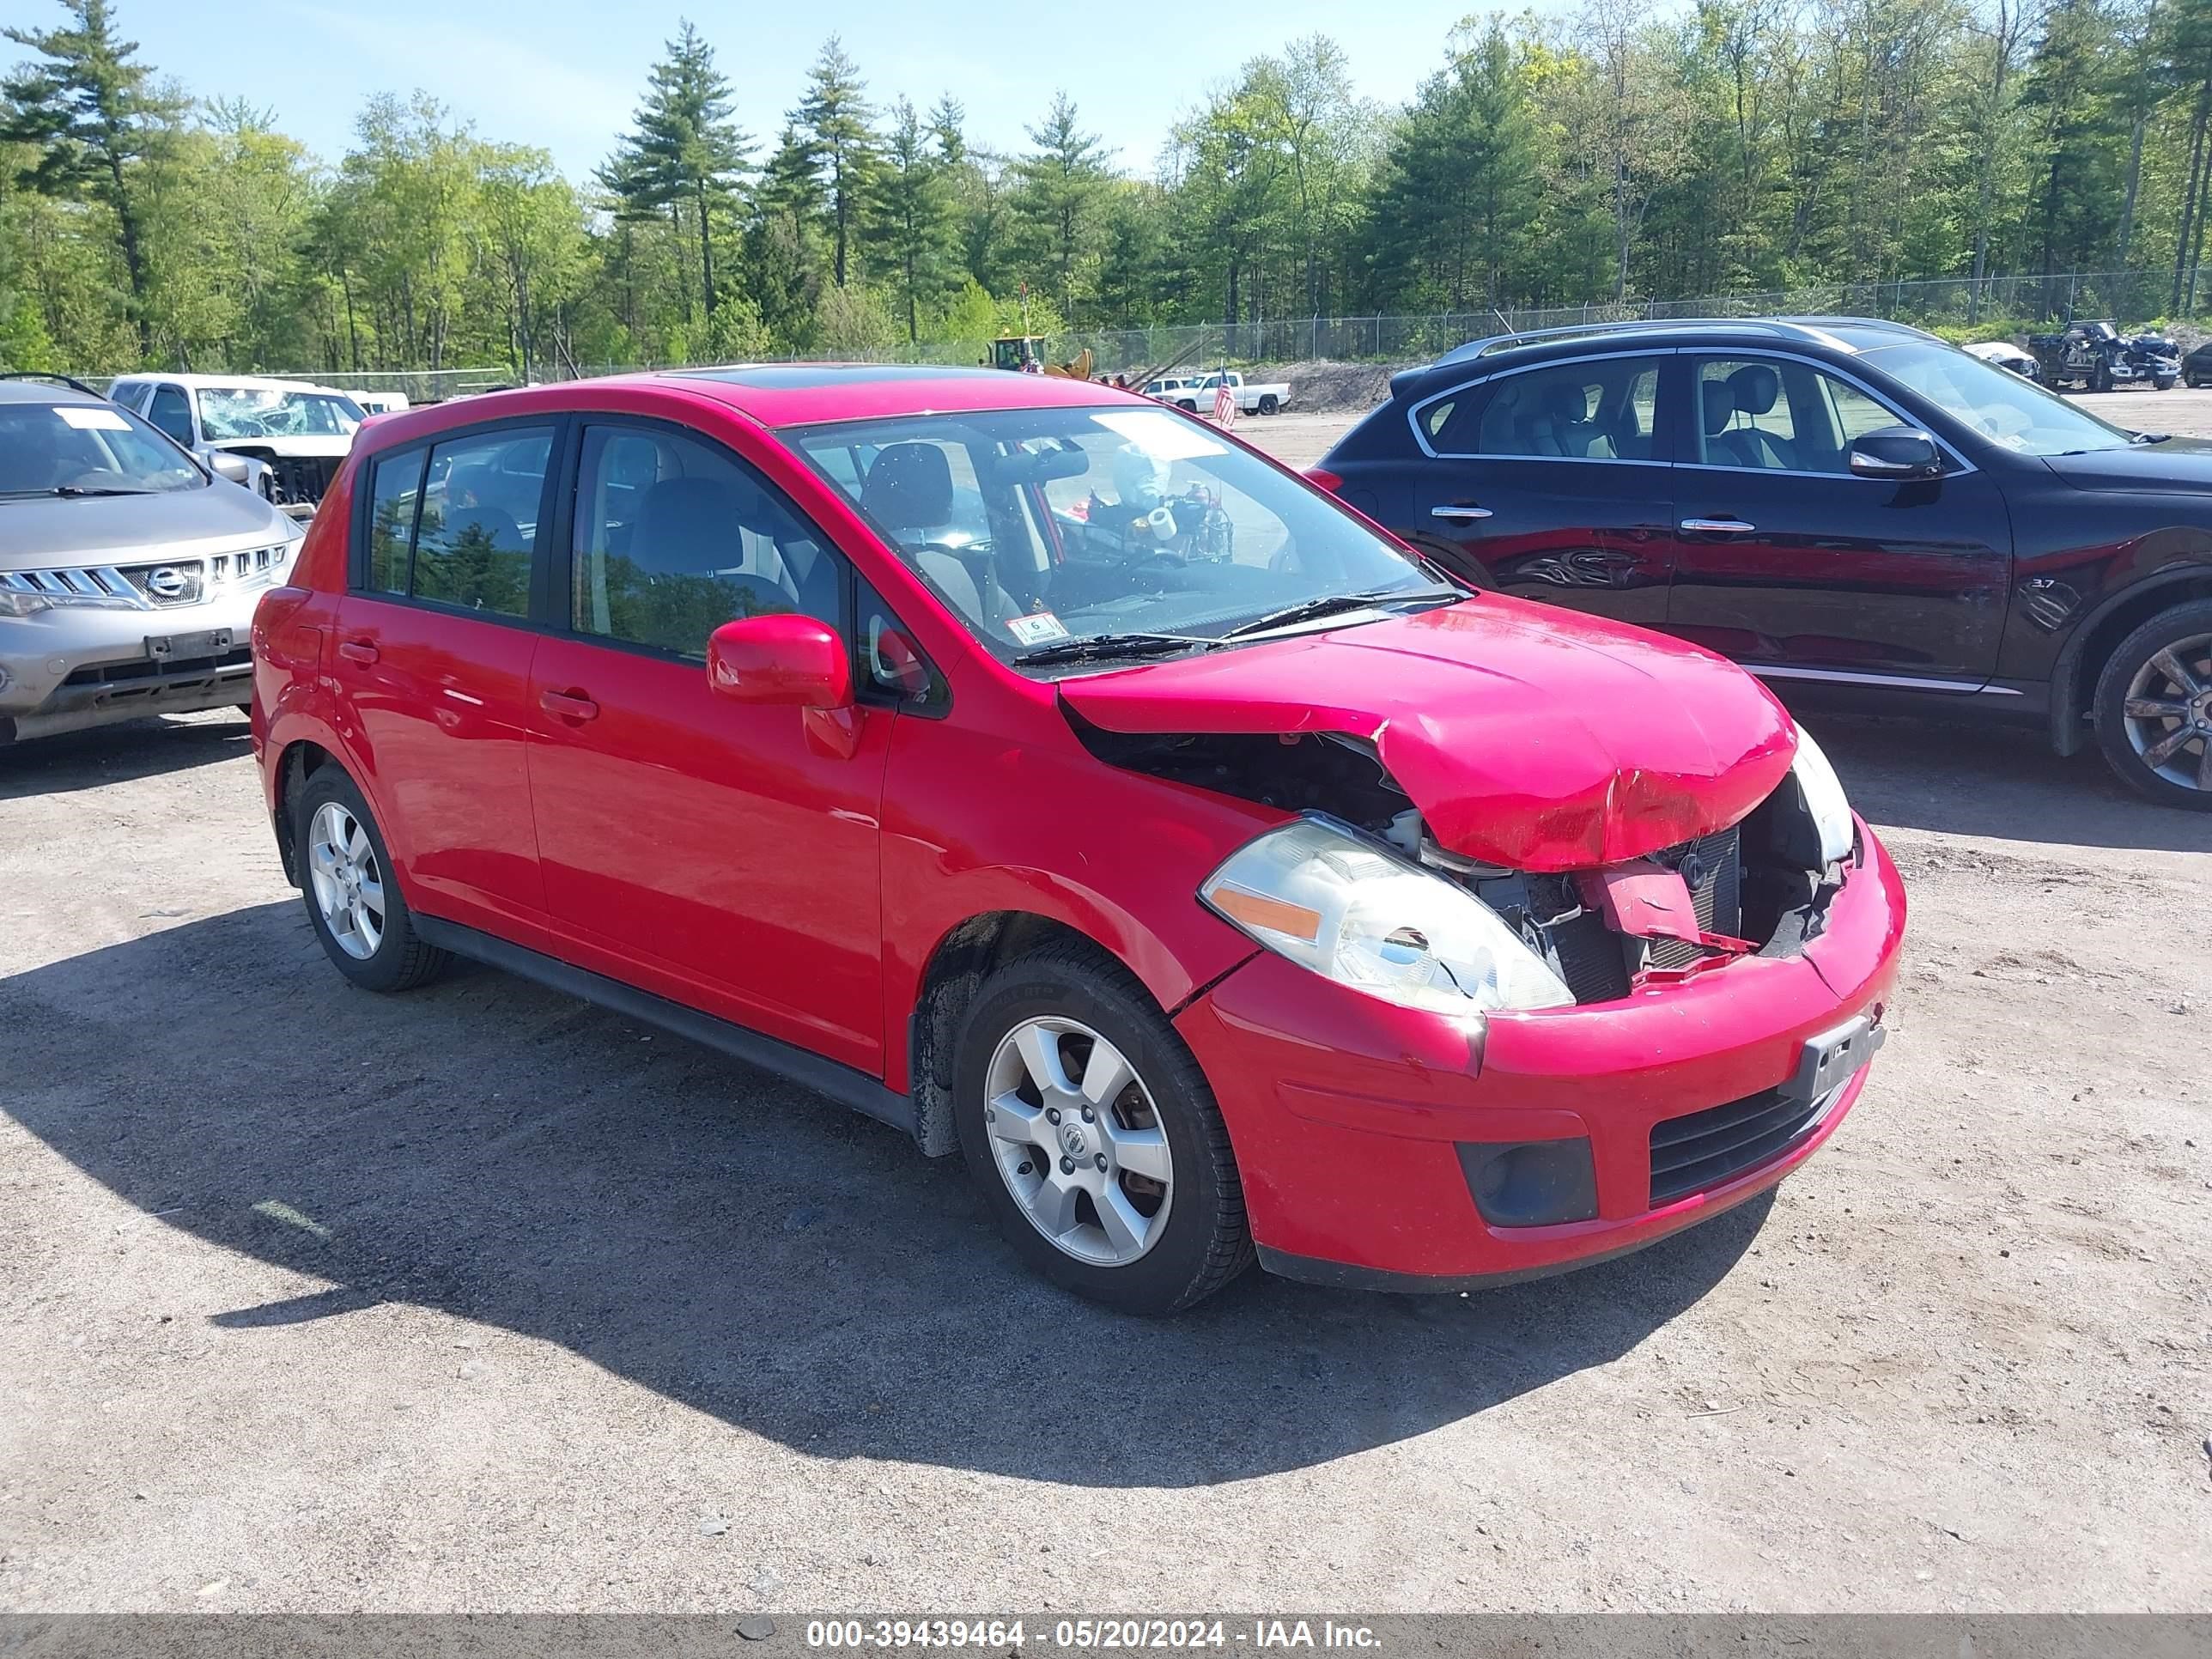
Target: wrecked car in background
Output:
[
  {"x": 298, "y": 433},
  {"x": 2096, "y": 357}
]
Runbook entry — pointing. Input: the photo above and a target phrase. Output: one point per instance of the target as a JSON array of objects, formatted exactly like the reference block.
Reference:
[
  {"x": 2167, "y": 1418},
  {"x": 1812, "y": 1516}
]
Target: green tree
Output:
[
  {"x": 1058, "y": 200},
  {"x": 835, "y": 118},
  {"x": 93, "y": 120},
  {"x": 914, "y": 224},
  {"x": 683, "y": 147}
]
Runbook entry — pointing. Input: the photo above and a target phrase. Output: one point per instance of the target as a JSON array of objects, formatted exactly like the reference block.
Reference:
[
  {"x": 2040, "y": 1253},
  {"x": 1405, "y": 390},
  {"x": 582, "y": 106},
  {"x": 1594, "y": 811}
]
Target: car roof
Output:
[
  {"x": 27, "y": 390},
  {"x": 775, "y": 395},
  {"x": 1845, "y": 336},
  {"x": 240, "y": 382}
]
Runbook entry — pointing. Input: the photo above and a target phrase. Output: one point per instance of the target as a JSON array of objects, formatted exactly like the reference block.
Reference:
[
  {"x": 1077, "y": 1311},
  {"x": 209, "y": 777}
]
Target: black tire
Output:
[
  {"x": 400, "y": 960},
  {"x": 2109, "y": 710},
  {"x": 1268, "y": 404},
  {"x": 1187, "y": 406},
  {"x": 2101, "y": 378},
  {"x": 1204, "y": 1242}
]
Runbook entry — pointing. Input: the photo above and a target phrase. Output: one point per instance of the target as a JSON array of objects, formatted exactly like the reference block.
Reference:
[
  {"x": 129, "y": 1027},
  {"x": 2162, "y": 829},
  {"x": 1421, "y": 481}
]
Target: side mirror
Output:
[
  {"x": 1894, "y": 452},
  {"x": 236, "y": 468},
  {"x": 787, "y": 659}
]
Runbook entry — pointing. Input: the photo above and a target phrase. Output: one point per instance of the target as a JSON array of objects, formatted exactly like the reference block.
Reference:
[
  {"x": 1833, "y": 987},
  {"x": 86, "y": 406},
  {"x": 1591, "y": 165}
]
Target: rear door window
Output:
[
  {"x": 456, "y": 522},
  {"x": 1600, "y": 408},
  {"x": 477, "y": 527}
]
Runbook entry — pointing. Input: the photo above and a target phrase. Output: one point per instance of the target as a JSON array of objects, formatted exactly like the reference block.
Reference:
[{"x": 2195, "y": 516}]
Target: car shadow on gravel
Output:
[
  {"x": 1978, "y": 780},
  {"x": 510, "y": 1157},
  {"x": 117, "y": 754}
]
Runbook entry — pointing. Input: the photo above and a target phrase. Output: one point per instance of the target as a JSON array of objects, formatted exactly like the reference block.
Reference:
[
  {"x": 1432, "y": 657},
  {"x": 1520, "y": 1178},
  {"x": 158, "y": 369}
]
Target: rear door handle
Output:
[
  {"x": 568, "y": 705},
  {"x": 1462, "y": 513},
  {"x": 1717, "y": 527},
  {"x": 357, "y": 650}
]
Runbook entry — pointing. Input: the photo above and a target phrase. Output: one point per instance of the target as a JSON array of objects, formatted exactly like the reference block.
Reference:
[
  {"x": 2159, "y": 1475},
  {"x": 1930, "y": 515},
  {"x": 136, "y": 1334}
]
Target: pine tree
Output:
[
  {"x": 93, "y": 123},
  {"x": 916, "y": 223},
  {"x": 836, "y": 117},
  {"x": 1060, "y": 197},
  {"x": 684, "y": 148}
]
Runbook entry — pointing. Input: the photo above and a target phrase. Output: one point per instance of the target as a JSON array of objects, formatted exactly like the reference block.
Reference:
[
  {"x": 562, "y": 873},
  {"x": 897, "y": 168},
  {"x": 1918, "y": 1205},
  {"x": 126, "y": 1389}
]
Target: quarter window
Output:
[
  {"x": 675, "y": 537},
  {"x": 1600, "y": 410},
  {"x": 395, "y": 487}
]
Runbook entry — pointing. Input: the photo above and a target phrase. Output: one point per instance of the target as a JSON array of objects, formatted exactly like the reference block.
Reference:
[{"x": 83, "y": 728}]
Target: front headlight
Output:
[
  {"x": 1824, "y": 799},
  {"x": 15, "y": 603},
  {"x": 1350, "y": 910}
]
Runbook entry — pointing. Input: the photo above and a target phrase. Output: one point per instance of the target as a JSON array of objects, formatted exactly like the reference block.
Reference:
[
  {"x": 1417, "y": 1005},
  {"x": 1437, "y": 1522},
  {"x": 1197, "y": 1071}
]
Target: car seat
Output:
[
  {"x": 691, "y": 527},
  {"x": 1752, "y": 391},
  {"x": 908, "y": 493},
  {"x": 1561, "y": 423},
  {"x": 493, "y": 527}
]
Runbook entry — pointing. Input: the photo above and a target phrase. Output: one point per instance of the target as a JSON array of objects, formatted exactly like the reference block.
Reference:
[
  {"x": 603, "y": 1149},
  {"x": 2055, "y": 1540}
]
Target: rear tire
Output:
[
  {"x": 352, "y": 892},
  {"x": 1136, "y": 1206},
  {"x": 2153, "y": 709},
  {"x": 1268, "y": 406}
]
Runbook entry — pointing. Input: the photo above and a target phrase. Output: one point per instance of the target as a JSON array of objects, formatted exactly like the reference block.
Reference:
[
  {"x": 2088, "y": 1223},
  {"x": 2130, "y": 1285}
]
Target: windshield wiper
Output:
[
  {"x": 1105, "y": 647},
  {"x": 1328, "y": 603},
  {"x": 2149, "y": 437},
  {"x": 80, "y": 489}
]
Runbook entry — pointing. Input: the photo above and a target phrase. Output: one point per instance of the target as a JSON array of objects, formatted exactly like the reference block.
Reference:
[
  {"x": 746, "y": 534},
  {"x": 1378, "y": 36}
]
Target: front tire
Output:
[
  {"x": 1094, "y": 1137},
  {"x": 352, "y": 892},
  {"x": 2153, "y": 710}
]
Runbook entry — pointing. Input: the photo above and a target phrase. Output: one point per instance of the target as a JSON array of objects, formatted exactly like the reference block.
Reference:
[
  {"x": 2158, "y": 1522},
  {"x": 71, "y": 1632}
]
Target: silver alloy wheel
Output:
[
  {"x": 1078, "y": 1141},
  {"x": 349, "y": 886},
  {"x": 2169, "y": 707}
]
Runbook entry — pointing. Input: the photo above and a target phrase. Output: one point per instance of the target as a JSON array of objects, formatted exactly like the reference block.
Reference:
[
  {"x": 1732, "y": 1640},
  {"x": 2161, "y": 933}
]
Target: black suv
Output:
[{"x": 1856, "y": 511}]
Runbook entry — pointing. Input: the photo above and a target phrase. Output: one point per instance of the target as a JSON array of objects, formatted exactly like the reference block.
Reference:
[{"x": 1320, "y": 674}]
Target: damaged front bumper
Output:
[{"x": 1390, "y": 1147}]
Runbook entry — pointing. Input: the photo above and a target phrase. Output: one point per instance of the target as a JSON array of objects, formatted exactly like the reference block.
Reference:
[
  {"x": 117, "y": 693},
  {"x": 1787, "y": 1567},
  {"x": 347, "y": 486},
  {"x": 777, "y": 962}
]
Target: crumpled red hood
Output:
[{"x": 1527, "y": 736}]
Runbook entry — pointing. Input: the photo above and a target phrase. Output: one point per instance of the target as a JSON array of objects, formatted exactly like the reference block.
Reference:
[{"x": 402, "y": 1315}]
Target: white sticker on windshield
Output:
[
  {"x": 1040, "y": 629},
  {"x": 91, "y": 417},
  {"x": 1163, "y": 436}
]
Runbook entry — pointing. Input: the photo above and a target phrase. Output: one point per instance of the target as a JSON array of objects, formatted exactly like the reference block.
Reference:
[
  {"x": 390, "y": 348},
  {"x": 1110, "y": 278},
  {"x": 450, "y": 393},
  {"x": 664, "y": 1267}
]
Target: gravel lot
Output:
[{"x": 484, "y": 1299}]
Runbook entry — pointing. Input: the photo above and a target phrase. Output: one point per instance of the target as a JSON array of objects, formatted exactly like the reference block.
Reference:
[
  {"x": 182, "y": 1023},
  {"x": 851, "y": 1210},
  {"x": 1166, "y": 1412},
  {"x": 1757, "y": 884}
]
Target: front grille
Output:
[
  {"x": 254, "y": 563},
  {"x": 1717, "y": 896},
  {"x": 95, "y": 582},
  {"x": 1694, "y": 1153},
  {"x": 156, "y": 587}
]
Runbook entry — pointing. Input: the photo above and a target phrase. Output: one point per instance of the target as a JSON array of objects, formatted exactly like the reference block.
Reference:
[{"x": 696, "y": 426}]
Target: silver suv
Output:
[{"x": 128, "y": 571}]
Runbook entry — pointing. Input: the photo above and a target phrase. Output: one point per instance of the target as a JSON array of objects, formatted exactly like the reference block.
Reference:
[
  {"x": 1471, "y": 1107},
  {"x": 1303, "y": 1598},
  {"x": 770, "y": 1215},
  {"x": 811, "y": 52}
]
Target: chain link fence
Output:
[{"x": 1994, "y": 306}]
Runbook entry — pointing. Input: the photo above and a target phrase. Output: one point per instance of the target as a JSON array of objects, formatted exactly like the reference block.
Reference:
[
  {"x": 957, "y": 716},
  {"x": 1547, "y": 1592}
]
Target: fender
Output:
[{"x": 2065, "y": 673}]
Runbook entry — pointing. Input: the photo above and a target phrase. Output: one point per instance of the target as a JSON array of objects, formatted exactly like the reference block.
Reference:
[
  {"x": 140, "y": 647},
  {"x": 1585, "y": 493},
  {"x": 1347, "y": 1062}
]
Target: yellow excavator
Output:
[{"x": 1012, "y": 350}]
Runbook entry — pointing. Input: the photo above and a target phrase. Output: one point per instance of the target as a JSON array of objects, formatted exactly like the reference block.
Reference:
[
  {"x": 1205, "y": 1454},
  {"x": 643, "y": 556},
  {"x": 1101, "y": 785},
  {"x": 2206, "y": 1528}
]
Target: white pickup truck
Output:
[{"x": 1195, "y": 393}]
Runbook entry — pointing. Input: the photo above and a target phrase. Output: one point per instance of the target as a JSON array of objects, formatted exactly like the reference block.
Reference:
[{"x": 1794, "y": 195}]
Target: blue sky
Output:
[{"x": 566, "y": 74}]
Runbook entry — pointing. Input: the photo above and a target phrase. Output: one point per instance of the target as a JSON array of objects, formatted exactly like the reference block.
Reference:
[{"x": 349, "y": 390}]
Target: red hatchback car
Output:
[{"x": 1047, "y": 774}]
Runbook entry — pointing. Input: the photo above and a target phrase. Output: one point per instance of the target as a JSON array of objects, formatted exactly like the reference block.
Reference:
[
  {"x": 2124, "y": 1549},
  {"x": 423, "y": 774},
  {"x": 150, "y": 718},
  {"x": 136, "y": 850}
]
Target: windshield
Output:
[
  {"x": 237, "y": 412},
  {"x": 1046, "y": 528},
  {"x": 86, "y": 449},
  {"x": 2000, "y": 405}
]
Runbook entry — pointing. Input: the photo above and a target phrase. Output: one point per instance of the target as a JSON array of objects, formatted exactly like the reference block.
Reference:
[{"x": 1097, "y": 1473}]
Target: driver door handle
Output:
[
  {"x": 568, "y": 705},
  {"x": 1460, "y": 513},
  {"x": 1717, "y": 527}
]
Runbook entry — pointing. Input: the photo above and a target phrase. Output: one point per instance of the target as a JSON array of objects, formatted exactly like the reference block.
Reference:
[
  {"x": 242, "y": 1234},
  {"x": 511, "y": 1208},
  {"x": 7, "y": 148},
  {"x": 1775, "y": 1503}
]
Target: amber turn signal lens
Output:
[{"x": 1277, "y": 915}]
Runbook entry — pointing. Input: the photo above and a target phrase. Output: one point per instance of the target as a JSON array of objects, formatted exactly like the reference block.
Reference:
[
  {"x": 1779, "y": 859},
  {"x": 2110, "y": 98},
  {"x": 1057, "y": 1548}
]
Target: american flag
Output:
[{"x": 1225, "y": 405}]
